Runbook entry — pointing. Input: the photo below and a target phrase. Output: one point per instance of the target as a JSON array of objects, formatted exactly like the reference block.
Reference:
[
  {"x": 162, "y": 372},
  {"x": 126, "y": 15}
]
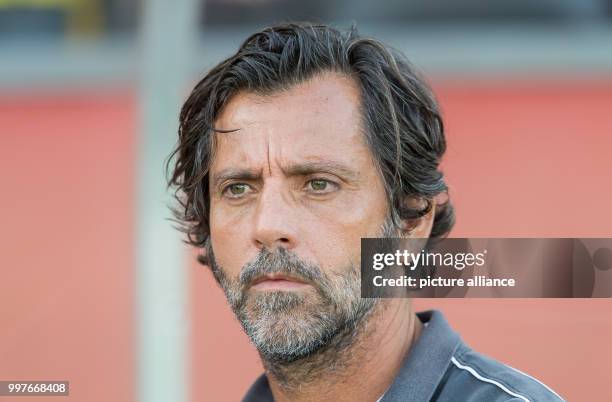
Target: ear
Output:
[{"x": 421, "y": 227}]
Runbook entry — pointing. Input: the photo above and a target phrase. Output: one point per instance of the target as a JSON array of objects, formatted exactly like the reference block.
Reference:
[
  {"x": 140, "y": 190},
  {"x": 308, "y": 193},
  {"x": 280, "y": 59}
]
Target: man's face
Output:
[{"x": 292, "y": 192}]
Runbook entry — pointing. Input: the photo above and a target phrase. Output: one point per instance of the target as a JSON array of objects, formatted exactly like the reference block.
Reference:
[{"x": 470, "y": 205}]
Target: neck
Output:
[{"x": 358, "y": 364}]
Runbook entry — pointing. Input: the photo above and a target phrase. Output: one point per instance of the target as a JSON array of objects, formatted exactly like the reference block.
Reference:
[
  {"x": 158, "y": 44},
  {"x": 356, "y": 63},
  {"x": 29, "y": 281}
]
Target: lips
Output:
[
  {"x": 276, "y": 277},
  {"x": 277, "y": 282}
]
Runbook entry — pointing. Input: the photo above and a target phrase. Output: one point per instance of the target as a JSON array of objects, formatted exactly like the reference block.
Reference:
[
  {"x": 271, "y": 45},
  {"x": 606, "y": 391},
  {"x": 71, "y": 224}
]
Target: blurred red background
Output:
[{"x": 525, "y": 159}]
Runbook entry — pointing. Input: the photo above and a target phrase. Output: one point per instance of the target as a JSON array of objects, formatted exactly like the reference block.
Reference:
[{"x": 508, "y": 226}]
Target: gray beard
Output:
[
  {"x": 287, "y": 326},
  {"x": 299, "y": 336}
]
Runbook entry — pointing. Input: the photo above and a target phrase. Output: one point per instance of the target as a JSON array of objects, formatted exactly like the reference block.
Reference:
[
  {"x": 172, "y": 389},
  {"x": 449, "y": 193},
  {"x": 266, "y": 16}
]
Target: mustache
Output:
[{"x": 280, "y": 261}]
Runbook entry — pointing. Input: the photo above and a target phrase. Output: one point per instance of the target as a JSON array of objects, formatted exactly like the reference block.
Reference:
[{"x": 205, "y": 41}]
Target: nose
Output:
[{"x": 274, "y": 217}]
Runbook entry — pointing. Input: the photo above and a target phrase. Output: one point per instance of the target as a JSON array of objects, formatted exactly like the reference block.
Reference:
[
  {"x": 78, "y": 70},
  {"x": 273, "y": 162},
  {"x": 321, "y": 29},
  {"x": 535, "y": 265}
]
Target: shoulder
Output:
[{"x": 478, "y": 377}]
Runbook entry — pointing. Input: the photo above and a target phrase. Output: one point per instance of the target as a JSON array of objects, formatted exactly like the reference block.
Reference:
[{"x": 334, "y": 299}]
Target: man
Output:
[{"x": 292, "y": 150}]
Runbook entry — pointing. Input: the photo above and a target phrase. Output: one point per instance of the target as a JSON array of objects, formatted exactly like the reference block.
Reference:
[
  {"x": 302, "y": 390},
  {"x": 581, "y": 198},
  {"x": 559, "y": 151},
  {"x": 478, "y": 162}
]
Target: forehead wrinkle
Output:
[
  {"x": 268, "y": 156},
  {"x": 257, "y": 114}
]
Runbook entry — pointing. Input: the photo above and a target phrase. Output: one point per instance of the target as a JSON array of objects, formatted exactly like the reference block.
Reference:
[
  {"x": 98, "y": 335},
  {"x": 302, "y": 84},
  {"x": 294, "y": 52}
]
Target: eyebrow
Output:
[
  {"x": 299, "y": 169},
  {"x": 336, "y": 168}
]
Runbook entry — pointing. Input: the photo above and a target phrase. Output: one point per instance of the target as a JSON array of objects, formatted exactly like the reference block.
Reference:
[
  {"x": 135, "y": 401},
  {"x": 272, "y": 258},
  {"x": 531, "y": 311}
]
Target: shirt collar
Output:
[
  {"x": 421, "y": 372},
  {"x": 427, "y": 361}
]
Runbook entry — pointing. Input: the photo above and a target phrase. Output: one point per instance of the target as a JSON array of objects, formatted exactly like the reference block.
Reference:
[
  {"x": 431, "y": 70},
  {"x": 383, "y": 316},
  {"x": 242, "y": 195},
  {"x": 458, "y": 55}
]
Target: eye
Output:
[
  {"x": 320, "y": 186},
  {"x": 236, "y": 190}
]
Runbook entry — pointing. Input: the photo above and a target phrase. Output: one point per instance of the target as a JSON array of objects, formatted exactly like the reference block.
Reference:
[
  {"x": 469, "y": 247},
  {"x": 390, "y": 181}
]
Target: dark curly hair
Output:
[{"x": 404, "y": 128}]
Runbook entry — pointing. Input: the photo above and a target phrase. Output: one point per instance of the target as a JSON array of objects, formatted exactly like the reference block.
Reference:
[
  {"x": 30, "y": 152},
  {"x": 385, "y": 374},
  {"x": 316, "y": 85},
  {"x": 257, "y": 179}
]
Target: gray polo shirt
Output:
[{"x": 440, "y": 367}]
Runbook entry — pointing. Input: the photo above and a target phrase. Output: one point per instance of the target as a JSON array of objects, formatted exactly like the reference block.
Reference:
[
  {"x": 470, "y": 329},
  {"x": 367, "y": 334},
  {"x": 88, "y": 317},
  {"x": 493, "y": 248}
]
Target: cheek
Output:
[
  {"x": 230, "y": 242},
  {"x": 335, "y": 233}
]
